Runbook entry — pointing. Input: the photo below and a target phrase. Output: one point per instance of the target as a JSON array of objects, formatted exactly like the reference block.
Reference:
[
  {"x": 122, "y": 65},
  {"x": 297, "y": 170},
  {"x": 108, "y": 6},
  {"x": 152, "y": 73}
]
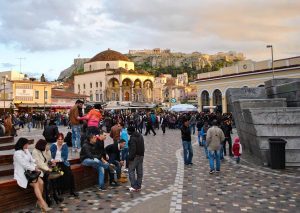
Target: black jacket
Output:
[
  {"x": 50, "y": 133},
  {"x": 100, "y": 149},
  {"x": 88, "y": 151},
  {"x": 186, "y": 133},
  {"x": 113, "y": 152},
  {"x": 135, "y": 146}
]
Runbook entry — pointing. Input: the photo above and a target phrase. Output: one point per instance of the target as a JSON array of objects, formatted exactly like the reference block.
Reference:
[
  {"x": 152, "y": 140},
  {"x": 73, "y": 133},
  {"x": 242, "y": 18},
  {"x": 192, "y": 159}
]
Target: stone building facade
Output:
[
  {"x": 110, "y": 76},
  {"x": 212, "y": 86}
]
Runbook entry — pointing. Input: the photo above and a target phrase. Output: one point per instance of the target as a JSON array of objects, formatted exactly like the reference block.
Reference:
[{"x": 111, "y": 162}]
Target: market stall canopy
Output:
[{"x": 183, "y": 108}]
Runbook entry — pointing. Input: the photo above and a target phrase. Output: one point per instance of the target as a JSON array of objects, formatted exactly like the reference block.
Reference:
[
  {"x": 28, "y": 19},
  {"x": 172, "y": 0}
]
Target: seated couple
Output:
[{"x": 95, "y": 155}]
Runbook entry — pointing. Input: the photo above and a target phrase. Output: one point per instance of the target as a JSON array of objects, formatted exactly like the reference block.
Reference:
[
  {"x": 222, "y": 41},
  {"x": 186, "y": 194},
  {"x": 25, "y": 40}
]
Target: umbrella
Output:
[{"x": 183, "y": 108}]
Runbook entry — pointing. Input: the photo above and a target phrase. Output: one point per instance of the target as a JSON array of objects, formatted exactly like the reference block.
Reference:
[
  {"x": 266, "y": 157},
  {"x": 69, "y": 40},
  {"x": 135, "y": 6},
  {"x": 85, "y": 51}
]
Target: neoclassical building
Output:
[
  {"x": 212, "y": 86},
  {"x": 110, "y": 76}
]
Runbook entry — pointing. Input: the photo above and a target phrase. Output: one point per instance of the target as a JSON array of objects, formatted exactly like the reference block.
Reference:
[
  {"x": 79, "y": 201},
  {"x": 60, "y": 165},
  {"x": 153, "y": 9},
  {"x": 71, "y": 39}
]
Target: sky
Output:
[{"x": 49, "y": 34}]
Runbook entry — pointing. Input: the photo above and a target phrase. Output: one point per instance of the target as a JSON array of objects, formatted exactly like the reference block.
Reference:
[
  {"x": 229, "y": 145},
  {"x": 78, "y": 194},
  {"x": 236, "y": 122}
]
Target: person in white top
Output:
[{"x": 23, "y": 161}]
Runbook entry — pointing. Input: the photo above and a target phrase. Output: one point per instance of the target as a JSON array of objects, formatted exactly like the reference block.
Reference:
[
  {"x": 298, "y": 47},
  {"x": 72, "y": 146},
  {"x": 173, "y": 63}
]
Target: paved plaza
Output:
[{"x": 169, "y": 186}]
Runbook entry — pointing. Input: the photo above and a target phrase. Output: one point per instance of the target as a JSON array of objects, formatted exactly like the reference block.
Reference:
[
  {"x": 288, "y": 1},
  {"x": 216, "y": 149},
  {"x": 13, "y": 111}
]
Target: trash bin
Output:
[{"x": 277, "y": 153}]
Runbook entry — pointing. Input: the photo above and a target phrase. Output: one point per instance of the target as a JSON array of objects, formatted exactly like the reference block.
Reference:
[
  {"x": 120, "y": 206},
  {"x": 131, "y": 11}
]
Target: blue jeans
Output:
[
  {"x": 187, "y": 152},
  {"x": 124, "y": 155},
  {"x": 99, "y": 166},
  {"x": 205, "y": 148},
  {"x": 76, "y": 136},
  {"x": 222, "y": 152},
  {"x": 199, "y": 138},
  {"x": 212, "y": 156},
  {"x": 193, "y": 128}
]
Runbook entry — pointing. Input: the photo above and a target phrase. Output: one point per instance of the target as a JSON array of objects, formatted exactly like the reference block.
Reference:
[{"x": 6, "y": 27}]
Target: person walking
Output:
[
  {"x": 214, "y": 139},
  {"x": 187, "y": 142},
  {"x": 136, "y": 151}
]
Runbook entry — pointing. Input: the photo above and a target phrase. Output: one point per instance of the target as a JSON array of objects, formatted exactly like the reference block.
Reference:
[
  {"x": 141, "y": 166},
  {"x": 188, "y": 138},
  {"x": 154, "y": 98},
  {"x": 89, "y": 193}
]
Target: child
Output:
[{"x": 237, "y": 149}]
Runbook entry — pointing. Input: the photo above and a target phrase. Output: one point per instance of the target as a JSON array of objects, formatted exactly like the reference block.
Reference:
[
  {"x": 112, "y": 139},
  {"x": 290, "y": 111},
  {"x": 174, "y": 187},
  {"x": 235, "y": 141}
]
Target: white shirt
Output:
[
  {"x": 58, "y": 155},
  {"x": 22, "y": 161}
]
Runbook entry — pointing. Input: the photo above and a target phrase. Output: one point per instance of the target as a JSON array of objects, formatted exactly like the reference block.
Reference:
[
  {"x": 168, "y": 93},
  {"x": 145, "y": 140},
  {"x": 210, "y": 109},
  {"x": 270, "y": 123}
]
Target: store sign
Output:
[{"x": 24, "y": 92}]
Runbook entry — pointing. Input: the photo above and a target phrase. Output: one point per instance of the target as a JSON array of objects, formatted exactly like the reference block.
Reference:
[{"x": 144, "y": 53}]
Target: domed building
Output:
[{"x": 110, "y": 76}]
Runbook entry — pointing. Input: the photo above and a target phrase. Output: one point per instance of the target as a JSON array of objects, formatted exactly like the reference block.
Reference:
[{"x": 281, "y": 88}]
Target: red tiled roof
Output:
[{"x": 68, "y": 95}]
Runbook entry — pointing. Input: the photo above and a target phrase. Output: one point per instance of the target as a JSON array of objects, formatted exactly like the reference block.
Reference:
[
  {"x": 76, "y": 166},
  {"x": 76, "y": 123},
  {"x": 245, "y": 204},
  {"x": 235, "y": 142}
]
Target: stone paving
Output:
[{"x": 246, "y": 187}]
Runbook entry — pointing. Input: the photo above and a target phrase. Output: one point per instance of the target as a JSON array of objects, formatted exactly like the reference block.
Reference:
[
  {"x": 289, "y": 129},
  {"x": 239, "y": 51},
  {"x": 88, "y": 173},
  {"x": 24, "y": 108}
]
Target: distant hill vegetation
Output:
[{"x": 178, "y": 63}]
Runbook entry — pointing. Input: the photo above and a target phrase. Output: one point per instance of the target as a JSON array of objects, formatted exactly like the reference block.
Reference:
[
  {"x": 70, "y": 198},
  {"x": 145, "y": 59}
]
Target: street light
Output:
[
  {"x": 271, "y": 46},
  {"x": 4, "y": 78},
  {"x": 44, "y": 99}
]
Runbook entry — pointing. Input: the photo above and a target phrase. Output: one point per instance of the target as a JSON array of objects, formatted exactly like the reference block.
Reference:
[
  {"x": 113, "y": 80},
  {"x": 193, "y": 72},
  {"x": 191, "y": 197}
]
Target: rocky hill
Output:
[
  {"x": 77, "y": 66},
  {"x": 158, "y": 62}
]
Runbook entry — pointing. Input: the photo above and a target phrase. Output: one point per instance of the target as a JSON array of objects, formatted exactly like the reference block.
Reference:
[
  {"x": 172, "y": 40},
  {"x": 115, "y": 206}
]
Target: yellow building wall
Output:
[
  {"x": 251, "y": 80},
  {"x": 24, "y": 92}
]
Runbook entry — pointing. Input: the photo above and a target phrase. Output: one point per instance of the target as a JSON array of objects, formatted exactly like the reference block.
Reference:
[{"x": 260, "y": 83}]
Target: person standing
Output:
[
  {"x": 237, "y": 149},
  {"x": 187, "y": 142},
  {"x": 227, "y": 129},
  {"x": 136, "y": 149},
  {"x": 75, "y": 125},
  {"x": 115, "y": 132},
  {"x": 214, "y": 139},
  {"x": 124, "y": 152}
]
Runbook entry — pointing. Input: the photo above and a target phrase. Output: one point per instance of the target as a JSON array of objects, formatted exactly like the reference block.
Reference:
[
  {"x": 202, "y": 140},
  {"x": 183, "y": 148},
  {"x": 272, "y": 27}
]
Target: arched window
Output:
[
  {"x": 90, "y": 67},
  {"x": 126, "y": 66},
  {"x": 217, "y": 98},
  {"x": 205, "y": 98},
  {"x": 107, "y": 66},
  {"x": 91, "y": 85},
  {"x": 83, "y": 86}
]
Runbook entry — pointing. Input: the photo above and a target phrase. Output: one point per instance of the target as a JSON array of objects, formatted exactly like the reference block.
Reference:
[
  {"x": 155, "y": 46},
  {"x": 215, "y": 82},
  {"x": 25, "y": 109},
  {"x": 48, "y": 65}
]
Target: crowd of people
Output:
[{"x": 127, "y": 130}]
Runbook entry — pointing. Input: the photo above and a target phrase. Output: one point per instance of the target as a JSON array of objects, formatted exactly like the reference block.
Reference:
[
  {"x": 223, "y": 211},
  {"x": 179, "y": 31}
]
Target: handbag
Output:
[
  {"x": 54, "y": 175},
  {"x": 32, "y": 176}
]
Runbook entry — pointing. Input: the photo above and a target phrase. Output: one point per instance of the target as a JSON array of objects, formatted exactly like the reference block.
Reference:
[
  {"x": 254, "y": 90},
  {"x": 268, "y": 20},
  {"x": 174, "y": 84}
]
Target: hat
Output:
[{"x": 236, "y": 140}]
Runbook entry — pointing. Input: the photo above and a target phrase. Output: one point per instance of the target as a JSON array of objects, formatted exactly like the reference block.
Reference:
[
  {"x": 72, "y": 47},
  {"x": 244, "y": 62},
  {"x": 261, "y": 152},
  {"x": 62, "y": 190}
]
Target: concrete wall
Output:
[{"x": 259, "y": 118}]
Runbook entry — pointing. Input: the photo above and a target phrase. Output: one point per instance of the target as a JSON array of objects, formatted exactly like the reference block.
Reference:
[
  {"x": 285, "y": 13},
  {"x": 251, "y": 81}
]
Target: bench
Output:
[{"x": 14, "y": 197}]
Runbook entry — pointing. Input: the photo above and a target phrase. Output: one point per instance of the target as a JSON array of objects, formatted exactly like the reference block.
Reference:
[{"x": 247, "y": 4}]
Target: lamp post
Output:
[
  {"x": 4, "y": 78},
  {"x": 44, "y": 100},
  {"x": 271, "y": 46}
]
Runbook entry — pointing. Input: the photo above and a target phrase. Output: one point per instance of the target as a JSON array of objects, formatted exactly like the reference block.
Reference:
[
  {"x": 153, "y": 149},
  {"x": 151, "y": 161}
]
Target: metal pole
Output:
[
  {"x": 44, "y": 101},
  {"x": 272, "y": 61},
  {"x": 271, "y": 46},
  {"x": 4, "y": 93}
]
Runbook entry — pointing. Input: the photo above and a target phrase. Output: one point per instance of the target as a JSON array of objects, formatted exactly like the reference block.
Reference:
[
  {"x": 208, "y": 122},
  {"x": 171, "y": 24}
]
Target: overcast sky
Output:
[{"x": 49, "y": 34}]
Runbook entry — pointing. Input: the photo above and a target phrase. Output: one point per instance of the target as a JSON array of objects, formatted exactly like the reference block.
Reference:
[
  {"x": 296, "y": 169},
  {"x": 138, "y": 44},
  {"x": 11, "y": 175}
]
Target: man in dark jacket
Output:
[
  {"x": 227, "y": 129},
  {"x": 50, "y": 132},
  {"x": 114, "y": 151},
  {"x": 186, "y": 142},
  {"x": 90, "y": 156},
  {"x": 136, "y": 151}
]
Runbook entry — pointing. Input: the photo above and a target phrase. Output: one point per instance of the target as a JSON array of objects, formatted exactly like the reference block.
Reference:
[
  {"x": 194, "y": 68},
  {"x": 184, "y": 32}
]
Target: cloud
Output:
[
  {"x": 50, "y": 25},
  {"x": 186, "y": 26},
  {"x": 7, "y": 65},
  {"x": 211, "y": 25}
]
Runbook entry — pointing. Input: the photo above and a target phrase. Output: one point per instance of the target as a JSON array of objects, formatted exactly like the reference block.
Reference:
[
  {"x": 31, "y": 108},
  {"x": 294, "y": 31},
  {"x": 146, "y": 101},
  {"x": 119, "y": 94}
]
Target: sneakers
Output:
[
  {"x": 217, "y": 171},
  {"x": 211, "y": 171},
  {"x": 102, "y": 189},
  {"x": 114, "y": 183},
  {"x": 131, "y": 189}
]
